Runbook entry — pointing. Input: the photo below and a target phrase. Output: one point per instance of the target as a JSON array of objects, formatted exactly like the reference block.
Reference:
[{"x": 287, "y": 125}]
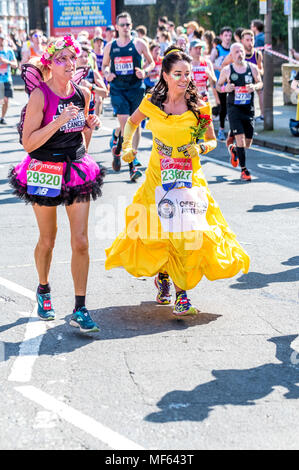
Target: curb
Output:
[
  {"x": 276, "y": 146},
  {"x": 262, "y": 142}
]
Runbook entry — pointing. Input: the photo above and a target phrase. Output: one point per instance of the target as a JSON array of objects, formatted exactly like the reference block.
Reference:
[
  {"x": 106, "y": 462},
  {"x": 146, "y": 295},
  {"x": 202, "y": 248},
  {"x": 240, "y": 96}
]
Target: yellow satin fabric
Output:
[{"x": 144, "y": 249}]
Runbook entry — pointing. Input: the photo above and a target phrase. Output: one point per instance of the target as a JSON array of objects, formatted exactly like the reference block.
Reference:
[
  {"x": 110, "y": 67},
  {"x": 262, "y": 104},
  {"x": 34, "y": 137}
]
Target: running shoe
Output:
[
  {"x": 3, "y": 121},
  {"x": 82, "y": 319},
  {"x": 45, "y": 310},
  {"x": 259, "y": 118},
  {"x": 113, "y": 140},
  {"x": 183, "y": 306},
  {"x": 116, "y": 162},
  {"x": 135, "y": 174},
  {"x": 136, "y": 162},
  {"x": 163, "y": 286},
  {"x": 233, "y": 155},
  {"x": 245, "y": 175},
  {"x": 221, "y": 134}
]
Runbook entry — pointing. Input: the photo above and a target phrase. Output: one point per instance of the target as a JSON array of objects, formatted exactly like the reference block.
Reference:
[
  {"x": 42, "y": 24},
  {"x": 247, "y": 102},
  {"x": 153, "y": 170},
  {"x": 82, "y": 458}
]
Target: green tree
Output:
[{"x": 213, "y": 14}]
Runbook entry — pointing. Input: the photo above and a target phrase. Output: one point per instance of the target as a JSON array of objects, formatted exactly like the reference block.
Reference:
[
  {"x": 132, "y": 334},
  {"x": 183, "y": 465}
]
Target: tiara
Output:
[{"x": 67, "y": 41}]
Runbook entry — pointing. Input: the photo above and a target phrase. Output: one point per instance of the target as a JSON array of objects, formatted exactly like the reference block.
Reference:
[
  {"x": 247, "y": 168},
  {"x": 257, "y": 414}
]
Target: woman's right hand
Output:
[
  {"x": 128, "y": 155},
  {"x": 70, "y": 112}
]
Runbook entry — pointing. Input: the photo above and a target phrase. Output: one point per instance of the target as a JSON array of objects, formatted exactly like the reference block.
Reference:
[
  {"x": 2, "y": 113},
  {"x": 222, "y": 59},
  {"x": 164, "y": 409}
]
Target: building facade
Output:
[{"x": 14, "y": 15}]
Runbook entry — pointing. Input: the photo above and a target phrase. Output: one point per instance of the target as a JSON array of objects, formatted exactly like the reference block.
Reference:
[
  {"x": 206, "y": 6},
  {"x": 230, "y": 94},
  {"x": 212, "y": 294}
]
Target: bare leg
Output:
[
  {"x": 177, "y": 289},
  {"x": 4, "y": 106},
  {"x": 47, "y": 224},
  {"x": 78, "y": 217}
]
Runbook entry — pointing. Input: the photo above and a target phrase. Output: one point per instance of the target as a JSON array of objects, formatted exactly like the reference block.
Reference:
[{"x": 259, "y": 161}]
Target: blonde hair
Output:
[{"x": 45, "y": 71}]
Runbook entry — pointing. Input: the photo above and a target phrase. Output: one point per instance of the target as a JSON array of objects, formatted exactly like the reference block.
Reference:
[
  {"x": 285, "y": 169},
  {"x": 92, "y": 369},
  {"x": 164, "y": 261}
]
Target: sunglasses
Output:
[
  {"x": 37, "y": 35},
  {"x": 122, "y": 25}
]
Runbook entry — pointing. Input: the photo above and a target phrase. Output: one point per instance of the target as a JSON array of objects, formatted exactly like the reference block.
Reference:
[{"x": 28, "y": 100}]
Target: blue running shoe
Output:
[
  {"x": 82, "y": 319},
  {"x": 45, "y": 310},
  {"x": 136, "y": 162},
  {"x": 113, "y": 140},
  {"x": 221, "y": 134},
  {"x": 135, "y": 174}
]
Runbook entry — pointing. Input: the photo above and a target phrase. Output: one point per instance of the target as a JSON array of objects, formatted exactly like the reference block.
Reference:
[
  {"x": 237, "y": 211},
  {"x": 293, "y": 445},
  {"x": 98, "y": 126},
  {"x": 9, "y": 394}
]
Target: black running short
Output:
[{"x": 241, "y": 120}]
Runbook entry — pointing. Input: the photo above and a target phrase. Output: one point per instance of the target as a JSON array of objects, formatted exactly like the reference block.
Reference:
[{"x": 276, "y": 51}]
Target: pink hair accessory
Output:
[{"x": 67, "y": 41}]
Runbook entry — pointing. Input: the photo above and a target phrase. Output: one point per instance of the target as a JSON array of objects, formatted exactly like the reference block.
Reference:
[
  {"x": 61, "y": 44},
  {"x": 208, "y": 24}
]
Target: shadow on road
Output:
[
  {"x": 233, "y": 387},
  {"x": 145, "y": 319},
  {"x": 254, "y": 280},
  {"x": 118, "y": 322},
  {"x": 274, "y": 207}
]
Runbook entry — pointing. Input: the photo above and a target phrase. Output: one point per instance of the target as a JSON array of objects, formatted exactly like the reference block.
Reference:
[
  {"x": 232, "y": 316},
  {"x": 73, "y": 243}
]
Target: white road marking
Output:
[
  {"x": 22, "y": 368},
  {"x": 17, "y": 288},
  {"x": 76, "y": 418}
]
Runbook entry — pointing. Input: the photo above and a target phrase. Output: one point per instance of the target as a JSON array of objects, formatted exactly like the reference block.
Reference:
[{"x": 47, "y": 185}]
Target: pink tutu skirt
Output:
[{"x": 84, "y": 180}]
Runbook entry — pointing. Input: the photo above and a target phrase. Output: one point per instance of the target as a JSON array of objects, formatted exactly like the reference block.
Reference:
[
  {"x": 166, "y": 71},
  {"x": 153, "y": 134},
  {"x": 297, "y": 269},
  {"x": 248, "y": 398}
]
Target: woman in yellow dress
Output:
[{"x": 174, "y": 227}]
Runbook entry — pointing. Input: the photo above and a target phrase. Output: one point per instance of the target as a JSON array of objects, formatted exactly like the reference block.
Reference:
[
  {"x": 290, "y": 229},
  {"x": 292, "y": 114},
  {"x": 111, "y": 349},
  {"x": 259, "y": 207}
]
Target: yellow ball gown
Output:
[{"x": 180, "y": 231}]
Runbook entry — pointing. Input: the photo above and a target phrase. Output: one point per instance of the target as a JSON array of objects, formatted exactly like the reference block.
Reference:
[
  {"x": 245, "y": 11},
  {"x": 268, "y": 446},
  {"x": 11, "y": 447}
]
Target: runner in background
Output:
[
  {"x": 255, "y": 57},
  {"x": 94, "y": 82},
  {"x": 122, "y": 68},
  {"x": 7, "y": 61},
  {"x": 202, "y": 69},
  {"x": 217, "y": 56},
  {"x": 109, "y": 34},
  {"x": 98, "y": 49},
  {"x": 33, "y": 47},
  {"x": 257, "y": 27},
  {"x": 154, "y": 75},
  {"x": 208, "y": 38},
  {"x": 239, "y": 80}
]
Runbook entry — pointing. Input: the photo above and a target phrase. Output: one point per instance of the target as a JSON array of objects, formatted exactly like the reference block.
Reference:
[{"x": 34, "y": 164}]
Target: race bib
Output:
[
  {"x": 176, "y": 173},
  {"x": 44, "y": 178},
  {"x": 124, "y": 65},
  {"x": 241, "y": 95},
  {"x": 200, "y": 77},
  {"x": 182, "y": 210}
]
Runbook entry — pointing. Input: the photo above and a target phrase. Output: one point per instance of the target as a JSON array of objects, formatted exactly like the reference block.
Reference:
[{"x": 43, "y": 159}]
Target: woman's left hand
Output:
[{"x": 93, "y": 121}]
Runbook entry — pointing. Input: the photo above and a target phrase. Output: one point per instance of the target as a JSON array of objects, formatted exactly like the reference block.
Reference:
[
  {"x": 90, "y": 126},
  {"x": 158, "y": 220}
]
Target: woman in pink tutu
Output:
[{"x": 57, "y": 170}]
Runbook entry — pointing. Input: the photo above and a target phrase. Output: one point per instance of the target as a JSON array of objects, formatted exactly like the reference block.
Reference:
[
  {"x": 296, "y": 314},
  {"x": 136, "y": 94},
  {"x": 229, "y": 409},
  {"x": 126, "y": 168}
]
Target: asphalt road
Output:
[{"x": 227, "y": 379}]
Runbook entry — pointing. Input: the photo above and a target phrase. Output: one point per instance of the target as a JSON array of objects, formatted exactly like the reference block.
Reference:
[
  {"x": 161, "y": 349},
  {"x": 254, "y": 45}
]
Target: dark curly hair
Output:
[{"x": 159, "y": 92}]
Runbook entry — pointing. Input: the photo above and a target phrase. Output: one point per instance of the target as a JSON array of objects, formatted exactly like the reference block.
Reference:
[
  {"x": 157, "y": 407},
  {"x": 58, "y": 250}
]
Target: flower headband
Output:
[{"x": 60, "y": 44}]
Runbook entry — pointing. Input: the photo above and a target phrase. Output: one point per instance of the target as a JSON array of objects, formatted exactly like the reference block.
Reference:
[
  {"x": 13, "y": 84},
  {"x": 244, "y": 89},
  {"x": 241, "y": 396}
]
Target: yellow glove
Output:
[
  {"x": 209, "y": 145},
  {"x": 128, "y": 155},
  {"x": 128, "y": 152},
  {"x": 193, "y": 150}
]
